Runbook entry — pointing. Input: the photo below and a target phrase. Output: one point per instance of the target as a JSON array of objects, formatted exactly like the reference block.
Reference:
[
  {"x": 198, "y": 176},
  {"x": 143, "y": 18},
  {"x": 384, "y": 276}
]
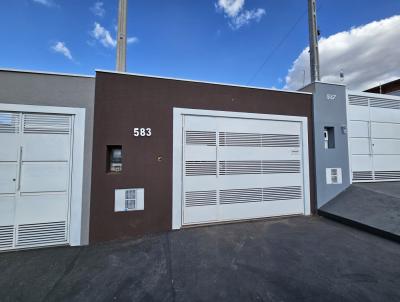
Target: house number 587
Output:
[{"x": 141, "y": 132}]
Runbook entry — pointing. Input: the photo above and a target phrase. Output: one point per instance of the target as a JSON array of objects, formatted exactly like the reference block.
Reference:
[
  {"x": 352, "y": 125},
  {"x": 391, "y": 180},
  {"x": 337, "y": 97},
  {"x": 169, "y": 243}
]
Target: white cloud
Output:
[
  {"x": 132, "y": 40},
  {"x": 238, "y": 16},
  {"x": 98, "y": 9},
  {"x": 103, "y": 36},
  {"x": 44, "y": 2},
  {"x": 246, "y": 17},
  {"x": 231, "y": 7},
  {"x": 61, "y": 48},
  {"x": 368, "y": 55}
]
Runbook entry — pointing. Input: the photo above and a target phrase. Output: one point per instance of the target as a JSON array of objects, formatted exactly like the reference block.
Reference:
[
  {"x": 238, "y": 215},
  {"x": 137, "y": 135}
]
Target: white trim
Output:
[
  {"x": 177, "y": 176},
  {"x": 374, "y": 95},
  {"x": 77, "y": 163},
  {"x": 46, "y": 73},
  {"x": 348, "y": 138},
  {"x": 246, "y": 115},
  {"x": 201, "y": 82},
  {"x": 306, "y": 167},
  {"x": 75, "y": 228}
]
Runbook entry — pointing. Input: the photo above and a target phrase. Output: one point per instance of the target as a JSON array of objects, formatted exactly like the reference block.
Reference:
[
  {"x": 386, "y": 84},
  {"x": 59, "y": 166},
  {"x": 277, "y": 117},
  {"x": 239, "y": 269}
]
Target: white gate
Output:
[
  {"x": 35, "y": 171},
  {"x": 374, "y": 137},
  {"x": 237, "y": 168}
]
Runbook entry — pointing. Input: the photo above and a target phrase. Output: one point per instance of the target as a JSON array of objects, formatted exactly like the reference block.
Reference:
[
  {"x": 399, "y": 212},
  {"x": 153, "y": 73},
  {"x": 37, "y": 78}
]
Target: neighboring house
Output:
[
  {"x": 392, "y": 88},
  {"x": 46, "y": 135}
]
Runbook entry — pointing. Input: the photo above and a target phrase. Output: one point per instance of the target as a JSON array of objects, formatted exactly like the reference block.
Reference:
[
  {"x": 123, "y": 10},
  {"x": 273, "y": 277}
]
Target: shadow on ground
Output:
[{"x": 292, "y": 259}]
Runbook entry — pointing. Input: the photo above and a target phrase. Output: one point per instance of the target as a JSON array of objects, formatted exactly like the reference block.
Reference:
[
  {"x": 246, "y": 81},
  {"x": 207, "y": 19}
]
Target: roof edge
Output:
[
  {"x": 46, "y": 73},
  {"x": 383, "y": 85},
  {"x": 330, "y": 83},
  {"x": 374, "y": 95},
  {"x": 201, "y": 82}
]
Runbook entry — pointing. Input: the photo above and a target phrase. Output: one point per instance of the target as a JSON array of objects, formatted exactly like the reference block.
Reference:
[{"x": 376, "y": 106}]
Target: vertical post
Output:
[
  {"x": 121, "y": 39},
  {"x": 314, "y": 50}
]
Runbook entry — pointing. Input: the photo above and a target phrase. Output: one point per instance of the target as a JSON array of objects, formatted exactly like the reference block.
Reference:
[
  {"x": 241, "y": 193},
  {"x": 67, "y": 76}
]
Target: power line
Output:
[
  {"x": 319, "y": 6},
  {"x": 283, "y": 40}
]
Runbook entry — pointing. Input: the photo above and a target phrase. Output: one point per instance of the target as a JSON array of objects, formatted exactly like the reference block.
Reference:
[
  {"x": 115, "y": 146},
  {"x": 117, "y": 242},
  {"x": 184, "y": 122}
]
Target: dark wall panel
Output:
[
  {"x": 124, "y": 102},
  {"x": 387, "y": 88}
]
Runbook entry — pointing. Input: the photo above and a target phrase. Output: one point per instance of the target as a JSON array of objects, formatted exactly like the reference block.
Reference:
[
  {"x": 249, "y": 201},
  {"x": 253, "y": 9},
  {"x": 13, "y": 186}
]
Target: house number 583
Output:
[{"x": 141, "y": 132}]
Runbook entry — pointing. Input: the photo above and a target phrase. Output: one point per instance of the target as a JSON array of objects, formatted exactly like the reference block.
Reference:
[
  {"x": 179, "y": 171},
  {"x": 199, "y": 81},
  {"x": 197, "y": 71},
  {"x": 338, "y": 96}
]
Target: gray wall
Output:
[
  {"x": 330, "y": 113},
  {"x": 29, "y": 88}
]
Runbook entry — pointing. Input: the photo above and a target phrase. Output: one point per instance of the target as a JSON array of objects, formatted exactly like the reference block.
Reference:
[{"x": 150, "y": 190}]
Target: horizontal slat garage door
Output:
[{"x": 237, "y": 168}]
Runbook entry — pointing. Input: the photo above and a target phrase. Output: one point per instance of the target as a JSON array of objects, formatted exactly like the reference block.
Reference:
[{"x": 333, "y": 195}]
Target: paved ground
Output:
[
  {"x": 292, "y": 259},
  {"x": 372, "y": 205},
  {"x": 387, "y": 188}
]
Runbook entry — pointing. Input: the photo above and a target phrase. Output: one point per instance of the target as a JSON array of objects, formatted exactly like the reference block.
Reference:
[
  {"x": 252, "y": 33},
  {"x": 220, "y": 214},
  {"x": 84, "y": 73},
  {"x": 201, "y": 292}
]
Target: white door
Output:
[
  {"x": 35, "y": 169},
  {"x": 374, "y": 134},
  {"x": 236, "y": 168}
]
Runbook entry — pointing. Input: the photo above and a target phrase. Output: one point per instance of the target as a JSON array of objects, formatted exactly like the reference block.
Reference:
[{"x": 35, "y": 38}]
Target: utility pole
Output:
[
  {"x": 313, "y": 32},
  {"x": 121, "y": 39}
]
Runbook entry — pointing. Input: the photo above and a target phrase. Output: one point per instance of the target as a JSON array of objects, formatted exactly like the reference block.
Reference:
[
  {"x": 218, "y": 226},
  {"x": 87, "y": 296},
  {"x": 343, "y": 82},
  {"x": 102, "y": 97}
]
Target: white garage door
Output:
[
  {"x": 237, "y": 168},
  {"x": 35, "y": 161},
  {"x": 374, "y": 134}
]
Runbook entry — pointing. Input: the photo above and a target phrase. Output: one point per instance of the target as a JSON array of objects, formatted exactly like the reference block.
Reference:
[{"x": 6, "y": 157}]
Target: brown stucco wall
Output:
[{"x": 123, "y": 102}]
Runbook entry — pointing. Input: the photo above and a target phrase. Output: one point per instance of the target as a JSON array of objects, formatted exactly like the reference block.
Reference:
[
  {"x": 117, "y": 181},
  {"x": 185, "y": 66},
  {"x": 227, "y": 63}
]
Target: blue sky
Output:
[{"x": 176, "y": 38}]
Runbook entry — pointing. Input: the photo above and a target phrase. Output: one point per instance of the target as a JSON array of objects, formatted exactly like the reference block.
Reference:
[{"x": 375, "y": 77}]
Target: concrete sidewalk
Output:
[{"x": 291, "y": 259}]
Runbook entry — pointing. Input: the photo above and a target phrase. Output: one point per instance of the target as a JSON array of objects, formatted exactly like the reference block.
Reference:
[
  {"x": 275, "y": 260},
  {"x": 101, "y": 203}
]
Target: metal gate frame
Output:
[
  {"x": 178, "y": 114},
  {"x": 75, "y": 210}
]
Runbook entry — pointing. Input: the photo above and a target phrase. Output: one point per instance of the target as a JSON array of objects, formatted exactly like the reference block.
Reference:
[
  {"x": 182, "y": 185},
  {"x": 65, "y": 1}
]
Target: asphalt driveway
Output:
[{"x": 291, "y": 259}]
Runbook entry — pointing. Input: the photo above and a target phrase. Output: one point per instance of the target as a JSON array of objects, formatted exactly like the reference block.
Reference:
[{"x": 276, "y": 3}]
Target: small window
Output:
[
  {"x": 329, "y": 137},
  {"x": 114, "y": 159},
  {"x": 333, "y": 176},
  {"x": 129, "y": 200}
]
